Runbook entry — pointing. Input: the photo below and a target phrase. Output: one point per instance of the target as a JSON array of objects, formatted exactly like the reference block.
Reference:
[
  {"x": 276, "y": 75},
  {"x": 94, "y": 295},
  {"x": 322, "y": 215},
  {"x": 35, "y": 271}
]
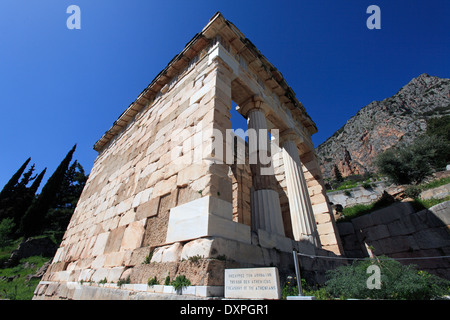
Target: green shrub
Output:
[
  {"x": 180, "y": 282},
  {"x": 413, "y": 163},
  {"x": 152, "y": 281},
  {"x": 121, "y": 282},
  {"x": 195, "y": 258},
  {"x": 402, "y": 282},
  {"x": 167, "y": 281},
  {"x": 290, "y": 288},
  {"x": 412, "y": 192},
  {"x": 367, "y": 185},
  {"x": 148, "y": 258},
  {"x": 6, "y": 229},
  {"x": 222, "y": 257}
]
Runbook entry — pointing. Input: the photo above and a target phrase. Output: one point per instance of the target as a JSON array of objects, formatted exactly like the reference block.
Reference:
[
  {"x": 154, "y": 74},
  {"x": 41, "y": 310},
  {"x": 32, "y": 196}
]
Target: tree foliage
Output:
[
  {"x": 33, "y": 221},
  {"x": 402, "y": 282},
  {"x": 411, "y": 164},
  {"x": 9, "y": 191},
  {"x": 337, "y": 174},
  {"x": 439, "y": 127},
  {"x": 25, "y": 213},
  {"x": 58, "y": 216}
]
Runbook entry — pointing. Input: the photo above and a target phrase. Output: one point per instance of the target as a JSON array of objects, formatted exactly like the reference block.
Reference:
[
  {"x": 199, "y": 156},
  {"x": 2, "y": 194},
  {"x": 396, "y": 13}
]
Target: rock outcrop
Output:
[{"x": 383, "y": 124}]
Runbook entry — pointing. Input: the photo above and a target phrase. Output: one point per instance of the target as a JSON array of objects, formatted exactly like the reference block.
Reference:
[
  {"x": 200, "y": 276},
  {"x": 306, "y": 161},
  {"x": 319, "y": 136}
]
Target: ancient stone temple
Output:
[{"x": 174, "y": 191}]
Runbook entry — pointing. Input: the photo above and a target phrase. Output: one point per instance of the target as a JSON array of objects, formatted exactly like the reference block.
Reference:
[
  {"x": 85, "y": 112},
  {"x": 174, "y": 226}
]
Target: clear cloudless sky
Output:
[{"x": 59, "y": 87}]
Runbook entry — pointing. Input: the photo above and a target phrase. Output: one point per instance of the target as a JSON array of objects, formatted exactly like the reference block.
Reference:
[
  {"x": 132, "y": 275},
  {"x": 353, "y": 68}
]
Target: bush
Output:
[
  {"x": 402, "y": 282},
  {"x": 290, "y": 288},
  {"x": 152, "y": 281},
  {"x": 367, "y": 185},
  {"x": 413, "y": 163},
  {"x": 412, "y": 192},
  {"x": 121, "y": 282},
  {"x": 180, "y": 282},
  {"x": 6, "y": 229},
  {"x": 439, "y": 127}
]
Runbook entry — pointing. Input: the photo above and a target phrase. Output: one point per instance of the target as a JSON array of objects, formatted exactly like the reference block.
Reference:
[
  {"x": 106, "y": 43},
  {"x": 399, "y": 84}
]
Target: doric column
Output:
[
  {"x": 302, "y": 215},
  {"x": 265, "y": 200}
]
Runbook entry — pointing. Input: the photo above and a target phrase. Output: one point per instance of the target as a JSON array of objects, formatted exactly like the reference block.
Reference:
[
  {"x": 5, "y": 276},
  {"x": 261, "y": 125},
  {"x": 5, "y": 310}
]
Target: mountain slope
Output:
[{"x": 383, "y": 124}]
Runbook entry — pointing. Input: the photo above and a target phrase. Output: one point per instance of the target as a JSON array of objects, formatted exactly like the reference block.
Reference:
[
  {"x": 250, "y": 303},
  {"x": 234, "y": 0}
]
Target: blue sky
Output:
[{"x": 59, "y": 87}]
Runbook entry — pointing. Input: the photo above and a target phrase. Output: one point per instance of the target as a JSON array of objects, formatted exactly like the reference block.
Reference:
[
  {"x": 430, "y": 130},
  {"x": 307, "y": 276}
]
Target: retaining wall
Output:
[{"x": 399, "y": 232}]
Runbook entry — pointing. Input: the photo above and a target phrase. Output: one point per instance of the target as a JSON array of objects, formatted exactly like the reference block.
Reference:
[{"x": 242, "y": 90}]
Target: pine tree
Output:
[
  {"x": 7, "y": 192},
  {"x": 32, "y": 222}
]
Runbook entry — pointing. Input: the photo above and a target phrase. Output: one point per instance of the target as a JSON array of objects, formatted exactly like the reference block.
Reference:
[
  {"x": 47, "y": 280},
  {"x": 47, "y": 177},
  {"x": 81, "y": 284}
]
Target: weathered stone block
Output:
[
  {"x": 172, "y": 253},
  {"x": 114, "y": 259},
  {"x": 147, "y": 209},
  {"x": 164, "y": 187},
  {"x": 100, "y": 244},
  {"x": 114, "y": 240},
  {"x": 325, "y": 228},
  {"x": 377, "y": 232},
  {"x": 432, "y": 238},
  {"x": 272, "y": 240},
  {"x": 401, "y": 227},
  {"x": 328, "y": 239},
  {"x": 156, "y": 227},
  {"x": 133, "y": 235},
  {"x": 207, "y": 216},
  {"x": 391, "y": 213},
  {"x": 345, "y": 228},
  {"x": 138, "y": 256},
  {"x": 100, "y": 275},
  {"x": 394, "y": 245},
  {"x": 362, "y": 222},
  {"x": 442, "y": 212}
]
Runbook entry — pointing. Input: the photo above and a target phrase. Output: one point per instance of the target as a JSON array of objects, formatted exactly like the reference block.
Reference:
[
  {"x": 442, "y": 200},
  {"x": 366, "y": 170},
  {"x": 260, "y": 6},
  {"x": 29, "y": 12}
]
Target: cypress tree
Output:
[
  {"x": 37, "y": 182},
  {"x": 32, "y": 222},
  {"x": 27, "y": 199},
  {"x": 338, "y": 174},
  {"x": 7, "y": 192},
  {"x": 58, "y": 216}
]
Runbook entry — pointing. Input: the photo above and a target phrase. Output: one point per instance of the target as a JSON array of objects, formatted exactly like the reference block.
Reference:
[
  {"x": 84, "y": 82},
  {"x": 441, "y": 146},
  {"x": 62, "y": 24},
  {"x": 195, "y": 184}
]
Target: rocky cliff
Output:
[{"x": 383, "y": 124}]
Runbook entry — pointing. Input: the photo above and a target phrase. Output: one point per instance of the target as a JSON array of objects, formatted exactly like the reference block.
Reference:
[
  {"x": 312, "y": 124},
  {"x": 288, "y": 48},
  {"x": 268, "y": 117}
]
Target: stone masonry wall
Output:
[
  {"x": 357, "y": 195},
  {"x": 400, "y": 232},
  {"x": 146, "y": 170}
]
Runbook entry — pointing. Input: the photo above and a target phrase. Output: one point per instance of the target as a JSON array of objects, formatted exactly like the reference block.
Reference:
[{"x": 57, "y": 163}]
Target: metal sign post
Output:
[
  {"x": 299, "y": 281},
  {"x": 297, "y": 273}
]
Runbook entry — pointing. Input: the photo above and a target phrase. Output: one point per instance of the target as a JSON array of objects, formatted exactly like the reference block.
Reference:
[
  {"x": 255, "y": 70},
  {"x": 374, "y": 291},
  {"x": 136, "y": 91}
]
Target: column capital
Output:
[
  {"x": 254, "y": 103},
  {"x": 290, "y": 135}
]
